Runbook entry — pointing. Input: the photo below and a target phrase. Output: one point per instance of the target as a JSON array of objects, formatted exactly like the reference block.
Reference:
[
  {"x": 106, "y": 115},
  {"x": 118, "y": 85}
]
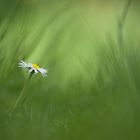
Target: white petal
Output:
[
  {"x": 35, "y": 70},
  {"x": 22, "y": 64},
  {"x": 44, "y": 74},
  {"x": 43, "y": 71},
  {"x": 30, "y": 70},
  {"x": 29, "y": 64}
]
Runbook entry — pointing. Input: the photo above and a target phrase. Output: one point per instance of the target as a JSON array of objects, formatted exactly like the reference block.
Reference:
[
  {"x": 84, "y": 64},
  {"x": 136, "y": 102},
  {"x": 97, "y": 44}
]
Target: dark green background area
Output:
[{"x": 91, "y": 49}]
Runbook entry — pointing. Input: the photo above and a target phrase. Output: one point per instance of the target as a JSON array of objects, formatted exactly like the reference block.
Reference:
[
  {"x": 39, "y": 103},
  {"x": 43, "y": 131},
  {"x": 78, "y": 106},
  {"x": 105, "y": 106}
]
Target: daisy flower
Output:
[{"x": 32, "y": 68}]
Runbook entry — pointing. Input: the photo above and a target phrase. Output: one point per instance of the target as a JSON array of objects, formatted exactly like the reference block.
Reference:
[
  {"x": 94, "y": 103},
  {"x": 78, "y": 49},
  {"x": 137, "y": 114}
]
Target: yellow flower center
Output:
[{"x": 35, "y": 66}]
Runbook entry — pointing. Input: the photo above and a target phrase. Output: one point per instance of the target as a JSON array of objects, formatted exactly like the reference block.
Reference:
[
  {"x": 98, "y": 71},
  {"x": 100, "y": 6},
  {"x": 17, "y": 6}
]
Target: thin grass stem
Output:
[{"x": 21, "y": 95}]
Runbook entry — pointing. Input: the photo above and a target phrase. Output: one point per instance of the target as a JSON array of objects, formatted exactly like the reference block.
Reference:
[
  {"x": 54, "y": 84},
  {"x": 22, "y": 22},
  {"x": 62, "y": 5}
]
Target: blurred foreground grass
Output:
[{"x": 93, "y": 84}]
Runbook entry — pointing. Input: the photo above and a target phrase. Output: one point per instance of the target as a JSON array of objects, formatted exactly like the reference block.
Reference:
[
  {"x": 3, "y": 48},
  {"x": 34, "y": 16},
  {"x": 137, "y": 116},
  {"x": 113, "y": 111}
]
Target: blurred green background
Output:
[{"x": 91, "y": 50}]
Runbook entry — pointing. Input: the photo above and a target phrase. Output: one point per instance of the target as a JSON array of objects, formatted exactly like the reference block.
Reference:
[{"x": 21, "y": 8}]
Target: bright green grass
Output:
[{"x": 93, "y": 84}]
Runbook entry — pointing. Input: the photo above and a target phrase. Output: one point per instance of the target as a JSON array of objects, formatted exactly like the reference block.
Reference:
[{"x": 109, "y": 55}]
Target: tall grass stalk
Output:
[{"x": 121, "y": 23}]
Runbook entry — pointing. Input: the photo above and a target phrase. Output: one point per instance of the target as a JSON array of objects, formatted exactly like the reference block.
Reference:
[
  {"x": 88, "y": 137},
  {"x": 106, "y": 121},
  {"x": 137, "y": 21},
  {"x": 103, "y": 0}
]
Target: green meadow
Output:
[{"x": 91, "y": 49}]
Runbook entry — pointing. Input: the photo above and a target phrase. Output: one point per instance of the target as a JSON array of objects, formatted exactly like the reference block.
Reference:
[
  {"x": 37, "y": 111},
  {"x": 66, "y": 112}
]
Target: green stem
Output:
[{"x": 21, "y": 93}]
